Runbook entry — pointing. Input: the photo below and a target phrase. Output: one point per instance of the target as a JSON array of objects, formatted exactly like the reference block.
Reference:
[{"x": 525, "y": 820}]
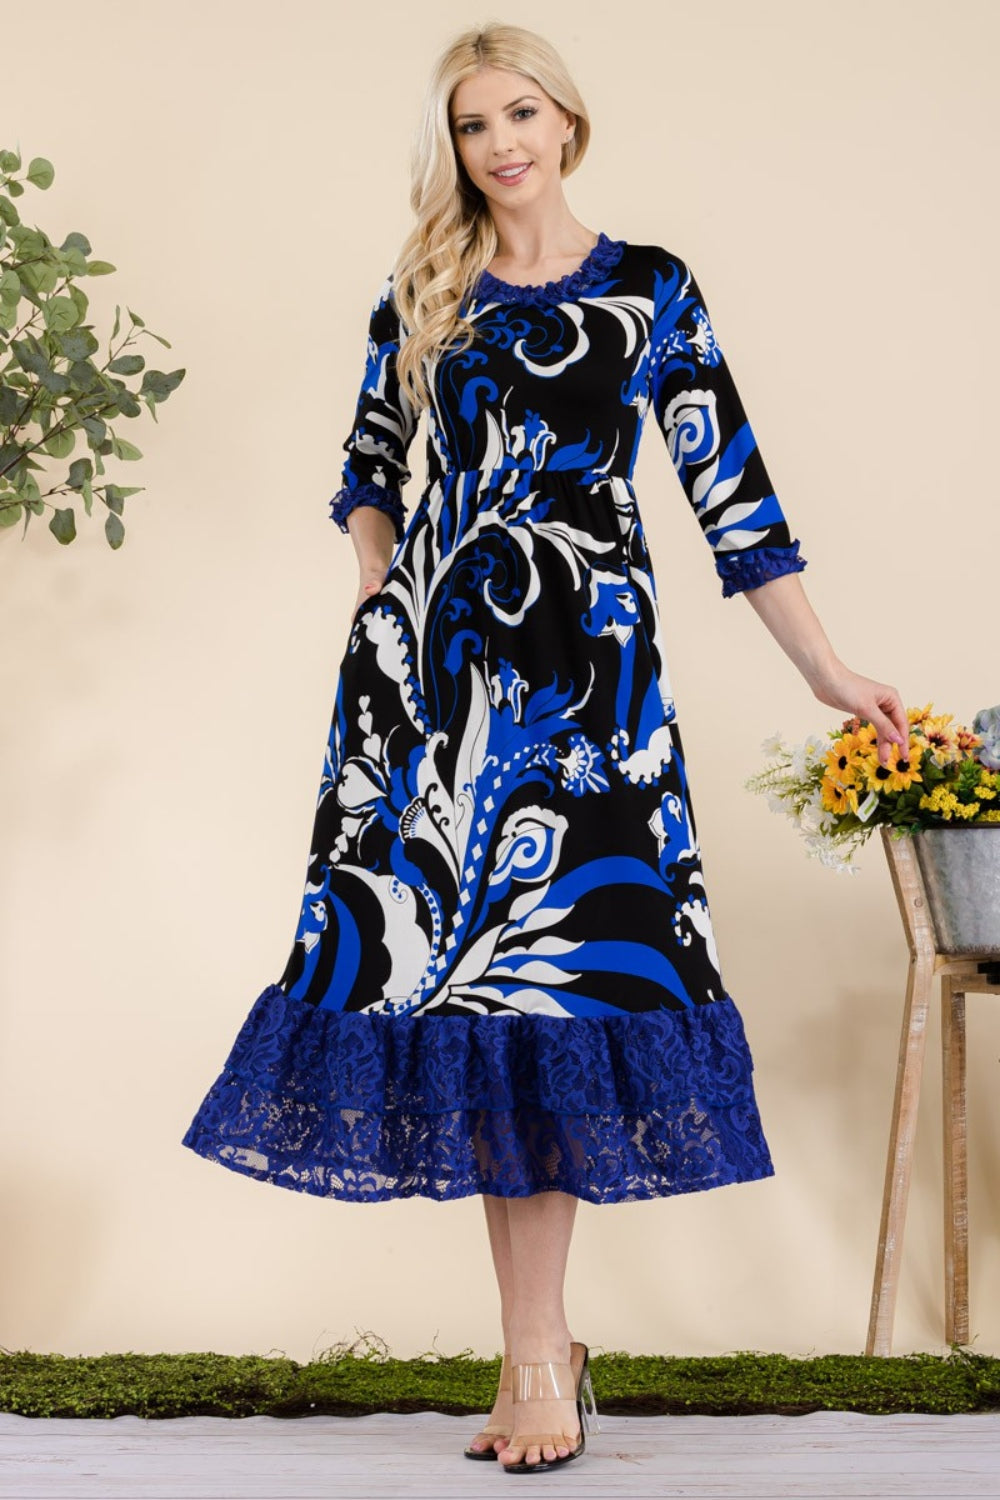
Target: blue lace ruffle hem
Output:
[{"x": 371, "y": 1107}]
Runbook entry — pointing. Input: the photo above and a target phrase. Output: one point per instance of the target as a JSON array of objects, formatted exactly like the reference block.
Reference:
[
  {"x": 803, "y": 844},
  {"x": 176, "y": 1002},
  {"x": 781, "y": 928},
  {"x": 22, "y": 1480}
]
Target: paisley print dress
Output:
[{"x": 504, "y": 977}]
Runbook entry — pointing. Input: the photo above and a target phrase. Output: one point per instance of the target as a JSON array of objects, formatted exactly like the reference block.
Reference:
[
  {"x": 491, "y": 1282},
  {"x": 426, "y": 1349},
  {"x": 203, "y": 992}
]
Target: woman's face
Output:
[{"x": 502, "y": 120}]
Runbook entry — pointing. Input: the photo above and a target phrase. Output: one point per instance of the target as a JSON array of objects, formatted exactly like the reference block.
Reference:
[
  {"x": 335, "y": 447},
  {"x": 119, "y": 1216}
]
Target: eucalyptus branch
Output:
[{"x": 50, "y": 377}]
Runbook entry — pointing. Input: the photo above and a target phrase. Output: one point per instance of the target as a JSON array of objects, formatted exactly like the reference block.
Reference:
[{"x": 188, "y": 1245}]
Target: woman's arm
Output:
[
  {"x": 369, "y": 504},
  {"x": 373, "y": 532},
  {"x": 782, "y": 605}
]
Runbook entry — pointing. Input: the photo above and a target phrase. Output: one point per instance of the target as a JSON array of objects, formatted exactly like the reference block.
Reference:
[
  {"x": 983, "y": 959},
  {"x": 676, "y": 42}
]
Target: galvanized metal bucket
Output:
[{"x": 961, "y": 873}]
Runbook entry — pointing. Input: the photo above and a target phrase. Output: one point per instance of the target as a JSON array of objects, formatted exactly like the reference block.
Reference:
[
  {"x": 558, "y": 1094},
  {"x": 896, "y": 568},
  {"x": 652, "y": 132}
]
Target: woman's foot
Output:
[
  {"x": 547, "y": 1427},
  {"x": 497, "y": 1430}
]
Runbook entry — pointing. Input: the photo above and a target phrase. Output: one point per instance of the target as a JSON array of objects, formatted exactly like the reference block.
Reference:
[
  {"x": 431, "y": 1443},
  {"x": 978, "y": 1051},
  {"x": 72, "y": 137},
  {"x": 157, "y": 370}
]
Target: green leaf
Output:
[
  {"x": 30, "y": 357},
  {"x": 71, "y": 262},
  {"x": 80, "y": 344},
  {"x": 10, "y": 161},
  {"x": 26, "y": 484},
  {"x": 88, "y": 497},
  {"x": 40, "y": 172},
  {"x": 127, "y": 364},
  {"x": 9, "y": 213},
  {"x": 79, "y": 470},
  {"x": 135, "y": 317},
  {"x": 56, "y": 383},
  {"x": 114, "y": 530},
  {"x": 100, "y": 268},
  {"x": 10, "y": 287},
  {"x": 76, "y": 241},
  {"x": 63, "y": 526},
  {"x": 11, "y": 458},
  {"x": 81, "y": 299},
  {"x": 84, "y": 375},
  {"x": 60, "y": 314},
  {"x": 156, "y": 383},
  {"x": 10, "y": 514},
  {"x": 60, "y": 443},
  {"x": 121, "y": 448}
]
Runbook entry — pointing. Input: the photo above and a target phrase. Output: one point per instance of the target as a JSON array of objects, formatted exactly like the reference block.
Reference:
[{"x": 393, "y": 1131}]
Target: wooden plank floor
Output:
[{"x": 822, "y": 1456}]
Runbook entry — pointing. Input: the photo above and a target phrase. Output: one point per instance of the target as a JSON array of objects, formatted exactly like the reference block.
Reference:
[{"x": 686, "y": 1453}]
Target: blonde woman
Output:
[{"x": 504, "y": 980}]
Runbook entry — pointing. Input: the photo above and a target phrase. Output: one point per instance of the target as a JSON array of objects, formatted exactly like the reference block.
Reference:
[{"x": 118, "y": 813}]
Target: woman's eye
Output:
[{"x": 470, "y": 125}]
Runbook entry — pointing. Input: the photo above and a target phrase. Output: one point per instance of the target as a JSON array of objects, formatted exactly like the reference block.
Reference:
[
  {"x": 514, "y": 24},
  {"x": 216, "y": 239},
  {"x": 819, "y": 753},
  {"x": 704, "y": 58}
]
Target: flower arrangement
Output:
[{"x": 836, "y": 790}]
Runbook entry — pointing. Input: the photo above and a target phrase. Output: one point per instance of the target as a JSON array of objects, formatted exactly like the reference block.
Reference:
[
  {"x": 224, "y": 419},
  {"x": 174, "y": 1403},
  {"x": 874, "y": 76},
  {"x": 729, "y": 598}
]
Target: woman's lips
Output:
[{"x": 514, "y": 179}]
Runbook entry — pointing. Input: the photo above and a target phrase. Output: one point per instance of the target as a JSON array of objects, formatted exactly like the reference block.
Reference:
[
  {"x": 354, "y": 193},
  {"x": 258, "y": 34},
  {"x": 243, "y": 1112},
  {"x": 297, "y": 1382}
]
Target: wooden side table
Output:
[{"x": 959, "y": 973}]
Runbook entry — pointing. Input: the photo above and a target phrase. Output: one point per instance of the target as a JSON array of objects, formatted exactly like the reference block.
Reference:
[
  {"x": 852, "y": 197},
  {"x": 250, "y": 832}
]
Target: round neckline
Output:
[{"x": 599, "y": 259}]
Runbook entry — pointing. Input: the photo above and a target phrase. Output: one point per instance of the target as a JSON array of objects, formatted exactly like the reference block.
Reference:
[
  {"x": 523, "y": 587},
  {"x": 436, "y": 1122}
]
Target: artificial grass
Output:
[{"x": 350, "y": 1381}]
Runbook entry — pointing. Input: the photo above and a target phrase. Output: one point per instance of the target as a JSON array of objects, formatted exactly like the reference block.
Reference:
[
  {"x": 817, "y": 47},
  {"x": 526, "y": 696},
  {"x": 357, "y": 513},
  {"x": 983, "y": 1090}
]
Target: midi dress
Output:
[{"x": 504, "y": 977}]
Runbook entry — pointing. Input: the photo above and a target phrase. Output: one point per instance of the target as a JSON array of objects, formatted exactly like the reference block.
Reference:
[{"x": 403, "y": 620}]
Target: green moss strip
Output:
[{"x": 350, "y": 1381}]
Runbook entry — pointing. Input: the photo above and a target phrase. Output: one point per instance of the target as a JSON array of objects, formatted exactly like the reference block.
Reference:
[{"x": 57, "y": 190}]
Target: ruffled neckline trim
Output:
[{"x": 597, "y": 262}]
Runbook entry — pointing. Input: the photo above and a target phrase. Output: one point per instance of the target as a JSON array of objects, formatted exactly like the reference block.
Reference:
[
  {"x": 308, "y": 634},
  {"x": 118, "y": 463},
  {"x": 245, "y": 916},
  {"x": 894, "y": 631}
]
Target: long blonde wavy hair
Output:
[{"x": 454, "y": 237}]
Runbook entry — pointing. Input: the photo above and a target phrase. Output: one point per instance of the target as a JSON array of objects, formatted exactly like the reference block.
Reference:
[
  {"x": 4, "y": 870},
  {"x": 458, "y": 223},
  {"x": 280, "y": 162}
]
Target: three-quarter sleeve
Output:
[
  {"x": 375, "y": 469},
  {"x": 710, "y": 441}
]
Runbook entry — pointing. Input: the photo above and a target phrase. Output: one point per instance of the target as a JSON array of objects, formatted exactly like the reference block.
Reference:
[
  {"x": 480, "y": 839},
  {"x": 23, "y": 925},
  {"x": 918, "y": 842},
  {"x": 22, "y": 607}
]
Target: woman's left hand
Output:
[{"x": 875, "y": 701}]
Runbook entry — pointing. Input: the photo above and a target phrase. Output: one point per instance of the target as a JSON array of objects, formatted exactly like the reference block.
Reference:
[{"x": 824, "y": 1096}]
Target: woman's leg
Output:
[
  {"x": 540, "y": 1228},
  {"x": 499, "y": 1233}
]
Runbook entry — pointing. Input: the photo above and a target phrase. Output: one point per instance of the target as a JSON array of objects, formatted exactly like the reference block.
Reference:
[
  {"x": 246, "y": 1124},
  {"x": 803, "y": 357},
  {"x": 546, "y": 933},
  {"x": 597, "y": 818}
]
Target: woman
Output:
[{"x": 504, "y": 980}]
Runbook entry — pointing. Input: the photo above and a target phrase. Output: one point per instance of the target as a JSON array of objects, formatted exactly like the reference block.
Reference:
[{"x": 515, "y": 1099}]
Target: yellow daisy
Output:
[{"x": 941, "y": 738}]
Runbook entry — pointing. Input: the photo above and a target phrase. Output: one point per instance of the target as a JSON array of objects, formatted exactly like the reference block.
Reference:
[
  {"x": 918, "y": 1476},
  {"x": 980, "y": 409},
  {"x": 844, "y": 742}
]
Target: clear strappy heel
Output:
[{"x": 549, "y": 1380}]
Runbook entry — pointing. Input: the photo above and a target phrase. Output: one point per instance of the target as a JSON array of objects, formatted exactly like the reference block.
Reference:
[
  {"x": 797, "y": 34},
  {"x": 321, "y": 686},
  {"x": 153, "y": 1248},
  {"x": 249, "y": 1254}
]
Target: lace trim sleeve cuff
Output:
[
  {"x": 344, "y": 501},
  {"x": 756, "y": 565}
]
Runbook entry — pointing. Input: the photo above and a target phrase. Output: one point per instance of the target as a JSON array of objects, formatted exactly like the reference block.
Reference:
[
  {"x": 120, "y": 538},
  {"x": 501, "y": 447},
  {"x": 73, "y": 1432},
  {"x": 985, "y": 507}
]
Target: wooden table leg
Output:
[
  {"x": 900, "y": 1157},
  {"x": 956, "y": 1174}
]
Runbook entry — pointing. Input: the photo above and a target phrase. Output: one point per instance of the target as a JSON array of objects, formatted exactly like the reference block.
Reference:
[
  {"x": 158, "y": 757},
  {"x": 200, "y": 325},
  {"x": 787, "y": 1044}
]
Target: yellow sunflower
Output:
[
  {"x": 845, "y": 759},
  {"x": 898, "y": 772},
  {"x": 838, "y": 798}
]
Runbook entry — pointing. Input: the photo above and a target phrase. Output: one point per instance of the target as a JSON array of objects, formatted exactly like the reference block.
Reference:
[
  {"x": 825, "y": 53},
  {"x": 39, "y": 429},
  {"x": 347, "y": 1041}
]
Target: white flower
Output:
[
  {"x": 774, "y": 744},
  {"x": 834, "y": 856}
]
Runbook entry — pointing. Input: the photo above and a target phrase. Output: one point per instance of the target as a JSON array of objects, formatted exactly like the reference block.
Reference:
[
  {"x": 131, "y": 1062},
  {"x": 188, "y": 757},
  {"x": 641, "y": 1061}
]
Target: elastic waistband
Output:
[{"x": 515, "y": 475}]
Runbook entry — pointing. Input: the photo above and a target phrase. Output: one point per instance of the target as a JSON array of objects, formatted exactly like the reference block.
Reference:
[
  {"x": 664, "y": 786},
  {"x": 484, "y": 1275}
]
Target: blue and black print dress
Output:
[{"x": 504, "y": 978}]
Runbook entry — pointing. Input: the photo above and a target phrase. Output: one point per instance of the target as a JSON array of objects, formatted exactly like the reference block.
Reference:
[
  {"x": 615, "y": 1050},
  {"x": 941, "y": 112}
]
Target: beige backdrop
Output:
[{"x": 828, "y": 173}]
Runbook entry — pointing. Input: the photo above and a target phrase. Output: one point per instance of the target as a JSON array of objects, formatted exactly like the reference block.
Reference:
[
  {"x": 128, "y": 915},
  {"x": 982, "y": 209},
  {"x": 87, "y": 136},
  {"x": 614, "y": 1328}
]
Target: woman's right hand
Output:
[{"x": 371, "y": 583}]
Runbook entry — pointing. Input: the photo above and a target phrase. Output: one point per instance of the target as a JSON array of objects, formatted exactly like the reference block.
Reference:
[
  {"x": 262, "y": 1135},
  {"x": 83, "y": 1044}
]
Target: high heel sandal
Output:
[
  {"x": 547, "y": 1380},
  {"x": 492, "y": 1428}
]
